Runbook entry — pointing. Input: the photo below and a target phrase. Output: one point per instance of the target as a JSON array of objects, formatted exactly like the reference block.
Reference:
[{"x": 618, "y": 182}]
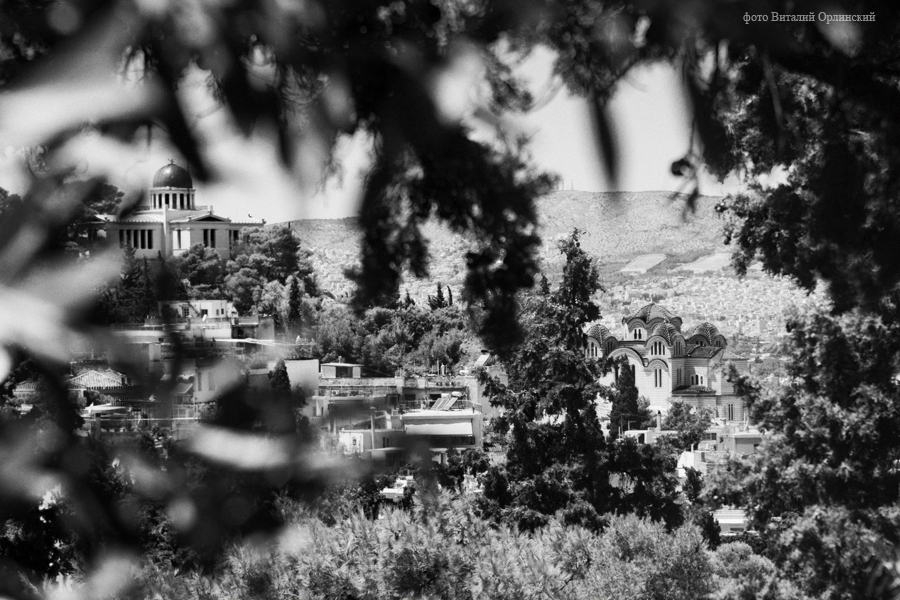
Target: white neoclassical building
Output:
[
  {"x": 169, "y": 222},
  {"x": 671, "y": 365}
]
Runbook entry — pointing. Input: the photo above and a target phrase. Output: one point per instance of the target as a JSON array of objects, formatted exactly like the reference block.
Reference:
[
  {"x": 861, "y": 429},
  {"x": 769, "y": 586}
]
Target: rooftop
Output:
[{"x": 173, "y": 176}]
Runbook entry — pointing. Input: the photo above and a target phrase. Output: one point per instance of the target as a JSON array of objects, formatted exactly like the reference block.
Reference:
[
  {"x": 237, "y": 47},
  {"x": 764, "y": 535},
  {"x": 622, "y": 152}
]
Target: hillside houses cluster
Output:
[{"x": 753, "y": 306}]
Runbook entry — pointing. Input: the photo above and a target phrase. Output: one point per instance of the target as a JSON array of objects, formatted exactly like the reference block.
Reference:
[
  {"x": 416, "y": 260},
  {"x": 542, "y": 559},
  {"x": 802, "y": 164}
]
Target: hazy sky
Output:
[
  {"x": 652, "y": 126},
  {"x": 649, "y": 116}
]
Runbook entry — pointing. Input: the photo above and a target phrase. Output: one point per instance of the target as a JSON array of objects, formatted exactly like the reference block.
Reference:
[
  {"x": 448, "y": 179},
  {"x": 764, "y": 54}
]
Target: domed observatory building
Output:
[
  {"x": 168, "y": 222},
  {"x": 670, "y": 365}
]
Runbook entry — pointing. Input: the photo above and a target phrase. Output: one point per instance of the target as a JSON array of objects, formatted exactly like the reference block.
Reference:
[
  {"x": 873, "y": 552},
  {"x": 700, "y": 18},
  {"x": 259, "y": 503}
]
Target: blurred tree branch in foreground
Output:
[{"x": 812, "y": 102}]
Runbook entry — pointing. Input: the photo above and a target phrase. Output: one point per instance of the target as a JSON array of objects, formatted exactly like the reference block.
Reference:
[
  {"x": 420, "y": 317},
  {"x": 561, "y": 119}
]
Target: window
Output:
[
  {"x": 678, "y": 376},
  {"x": 185, "y": 312},
  {"x": 730, "y": 412},
  {"x": 657, "y": 378},
  {"x": 150, "y": 239},
  {"x": 209, "y": 238},
  {"x": 638, "y": 334}
]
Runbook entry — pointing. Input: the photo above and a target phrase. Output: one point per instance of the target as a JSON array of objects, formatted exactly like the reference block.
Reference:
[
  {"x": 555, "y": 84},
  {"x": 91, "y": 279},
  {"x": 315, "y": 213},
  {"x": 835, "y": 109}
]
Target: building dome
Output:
[
  {"x": 173, "y": 176},
  {"x": 598, "y": 332},
  {"x": 667, "y": 331},
  {"x": 707, "y": 330},
  {"x": 652, "y": 312}
]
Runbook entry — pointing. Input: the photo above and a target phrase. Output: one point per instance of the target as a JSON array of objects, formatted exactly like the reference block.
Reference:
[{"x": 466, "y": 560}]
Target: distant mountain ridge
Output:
[{"x": 616, "y": 227}]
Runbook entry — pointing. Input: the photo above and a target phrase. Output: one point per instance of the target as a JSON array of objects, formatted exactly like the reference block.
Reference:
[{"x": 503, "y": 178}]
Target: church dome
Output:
[
  {"x": 653, "y": 312},
  {"x": 598, "y": 332},
  {"x": 667, "y": 331},
  {"x": 707, "y": 330},
  {"x": 173, "y": 176}
]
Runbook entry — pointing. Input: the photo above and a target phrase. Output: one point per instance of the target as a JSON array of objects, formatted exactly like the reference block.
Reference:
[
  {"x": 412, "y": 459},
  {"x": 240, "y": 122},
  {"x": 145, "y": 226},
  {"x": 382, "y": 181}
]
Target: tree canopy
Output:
[{"x": 558, "y": 458}]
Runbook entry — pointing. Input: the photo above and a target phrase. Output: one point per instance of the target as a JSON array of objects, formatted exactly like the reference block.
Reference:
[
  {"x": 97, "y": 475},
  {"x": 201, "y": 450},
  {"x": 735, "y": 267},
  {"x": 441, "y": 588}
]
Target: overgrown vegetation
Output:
[{"x": 439, "y": 549}]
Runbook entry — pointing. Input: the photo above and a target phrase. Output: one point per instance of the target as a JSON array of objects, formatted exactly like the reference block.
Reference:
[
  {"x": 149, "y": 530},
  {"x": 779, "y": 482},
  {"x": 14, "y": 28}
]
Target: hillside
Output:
[{"x": 617, "y": 227}]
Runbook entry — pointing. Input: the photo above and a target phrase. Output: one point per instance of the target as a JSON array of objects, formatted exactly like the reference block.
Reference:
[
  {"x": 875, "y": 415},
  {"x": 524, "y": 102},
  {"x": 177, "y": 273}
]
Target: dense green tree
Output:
[
  {"x": 281, "y": 418},
  {"x": 824, "y": 487},
  {"x": 544, "y": 285},
  {"x": 266, "y": 256},
  {"x": 688, "y": 422},
  {"x": 133, "y": 296},
  {"x": 558, "y": 458},
  {"x": 387, "y": 340},
  {"x": 244, "y": 282},
  {"x": 629, "y": 411},
  {"x": 295, "y": 306},
  {"x": 275, "y": 252},
  {"x": 202, "y": 268},
  {"x": 437, "y": 301}
]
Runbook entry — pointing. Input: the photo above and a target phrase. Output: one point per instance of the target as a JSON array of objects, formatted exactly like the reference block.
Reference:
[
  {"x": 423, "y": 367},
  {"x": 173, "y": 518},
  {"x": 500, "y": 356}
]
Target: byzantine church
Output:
[
  {"x": 670, "y": 365},
  {"x": 168, "y": 221}
]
